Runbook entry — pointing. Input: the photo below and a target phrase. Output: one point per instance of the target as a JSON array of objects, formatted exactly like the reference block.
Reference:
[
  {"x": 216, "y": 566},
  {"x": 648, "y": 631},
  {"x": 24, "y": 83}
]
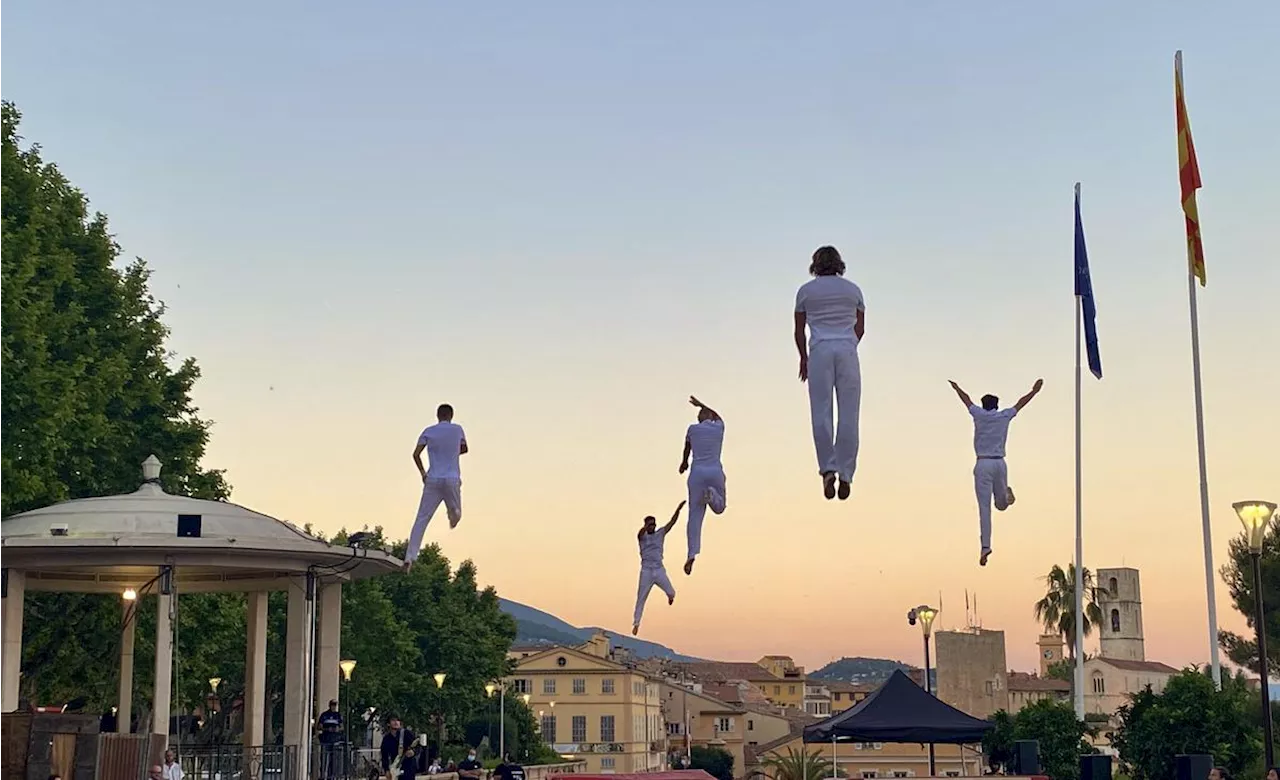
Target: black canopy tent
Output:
[{"x": 900, "y": 711}]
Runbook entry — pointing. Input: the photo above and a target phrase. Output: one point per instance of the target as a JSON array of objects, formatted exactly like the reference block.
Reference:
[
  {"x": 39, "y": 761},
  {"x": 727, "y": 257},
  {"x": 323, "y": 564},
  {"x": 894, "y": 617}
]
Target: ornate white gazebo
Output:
[{"x": 158, "y": 545}]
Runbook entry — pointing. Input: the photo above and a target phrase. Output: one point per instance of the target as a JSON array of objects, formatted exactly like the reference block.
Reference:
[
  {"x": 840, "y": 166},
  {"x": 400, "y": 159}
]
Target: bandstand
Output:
[{"x": 157, "y": 545}]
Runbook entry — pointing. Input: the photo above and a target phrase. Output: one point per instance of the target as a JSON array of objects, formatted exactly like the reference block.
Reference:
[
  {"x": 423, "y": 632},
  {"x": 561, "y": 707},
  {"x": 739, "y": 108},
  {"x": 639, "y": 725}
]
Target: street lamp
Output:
[
  {"x": 129, "y": 594},
  {"x": 214, "y": 682},
  {"x": 439, "y": 679},
  {"x": 1256, "y": 516},
  {"x": 502, "y": 714},
  {"x": 925, "y": 615},
  {"x": 347, "y": 665}
]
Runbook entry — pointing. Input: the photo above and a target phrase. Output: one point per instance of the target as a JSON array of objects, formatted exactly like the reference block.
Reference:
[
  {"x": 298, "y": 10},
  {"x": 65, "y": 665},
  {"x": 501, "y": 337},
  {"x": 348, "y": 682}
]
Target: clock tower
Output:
[{"x": 1050, "y": 652}]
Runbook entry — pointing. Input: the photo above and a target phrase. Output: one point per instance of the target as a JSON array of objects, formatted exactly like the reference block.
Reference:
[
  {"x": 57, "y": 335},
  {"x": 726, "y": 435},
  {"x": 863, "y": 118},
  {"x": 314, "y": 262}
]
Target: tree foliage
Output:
[
  {"x": 1053, "y": 724},
  {"x": 1238, "y": 574},
  {"x": 716, "y": 762},
  {"x": 798, "y": 765},
  {"x": 1057, "y": 610},
  {"x": 1188, "y": 716}
]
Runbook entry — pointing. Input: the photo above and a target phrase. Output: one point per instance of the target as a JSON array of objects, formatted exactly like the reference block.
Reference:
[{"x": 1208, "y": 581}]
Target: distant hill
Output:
[
  {"x": 860, "y": 670},
  {"x": 537, "y": 627}
]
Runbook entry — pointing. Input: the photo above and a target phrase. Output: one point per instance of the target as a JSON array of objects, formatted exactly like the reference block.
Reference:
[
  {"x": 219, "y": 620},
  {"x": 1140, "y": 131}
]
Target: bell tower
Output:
[{"x": 1119, "y": 597}]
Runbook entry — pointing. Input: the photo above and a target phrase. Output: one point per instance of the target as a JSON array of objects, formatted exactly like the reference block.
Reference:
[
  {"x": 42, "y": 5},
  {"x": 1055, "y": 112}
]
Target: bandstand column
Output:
[
  {"x": 328, "y": 645},
  {"x": 15, "y": 596},
  {"x": 124, "y": 713},
  {"x": 297, "y": 726},
  {"x": 255, "y": 669},
  {"x": 164, "y": 665}
]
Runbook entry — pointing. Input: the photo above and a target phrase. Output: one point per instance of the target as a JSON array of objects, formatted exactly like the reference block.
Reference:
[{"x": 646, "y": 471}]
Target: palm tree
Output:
[
  {"x": 798, "y": 766},
  {"x": 1057, "y": 610}
]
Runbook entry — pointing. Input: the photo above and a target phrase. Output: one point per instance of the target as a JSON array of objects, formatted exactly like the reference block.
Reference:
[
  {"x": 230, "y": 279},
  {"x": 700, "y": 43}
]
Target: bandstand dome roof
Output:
[{"x": 112, "y": 541}]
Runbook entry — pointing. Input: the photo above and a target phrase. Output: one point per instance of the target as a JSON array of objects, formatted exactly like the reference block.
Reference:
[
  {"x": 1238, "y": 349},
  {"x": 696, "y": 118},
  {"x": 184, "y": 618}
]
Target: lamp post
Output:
[
  {"x": 1256, "y": 516},
  {"x": 439, "y": 678},
  {"x": 347, "y": 665},
  {"x": 925, "y": 615},
  {"x": 502, "y": 715}
]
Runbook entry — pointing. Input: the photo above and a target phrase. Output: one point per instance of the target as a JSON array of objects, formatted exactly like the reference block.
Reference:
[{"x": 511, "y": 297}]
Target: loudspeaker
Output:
[
  {"x": 1193, "y": 767},
  {"x": 1097, "y": 768},
  {"x": 189, "y": 526},
  {"x": 1026, "y": 757}
]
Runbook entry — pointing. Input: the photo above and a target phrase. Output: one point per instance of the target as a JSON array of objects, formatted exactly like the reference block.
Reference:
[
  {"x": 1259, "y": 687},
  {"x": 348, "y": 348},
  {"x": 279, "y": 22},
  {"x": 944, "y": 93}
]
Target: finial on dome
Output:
[{"x": 151, "y": 469}]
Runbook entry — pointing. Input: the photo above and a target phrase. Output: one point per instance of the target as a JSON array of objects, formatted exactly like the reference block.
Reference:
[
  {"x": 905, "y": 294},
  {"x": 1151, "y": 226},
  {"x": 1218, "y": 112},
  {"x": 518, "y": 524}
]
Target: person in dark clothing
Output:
[
  {"x": 470, "y": 768},
  {"x": 331, "y": 737},
  {"x": 509, "y": 769},
  {"x": 398, "y": 742}
]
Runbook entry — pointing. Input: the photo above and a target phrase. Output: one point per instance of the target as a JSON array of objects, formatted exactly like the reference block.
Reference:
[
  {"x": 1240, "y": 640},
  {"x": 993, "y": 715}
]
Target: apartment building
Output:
[
  {"x": 698, "y": 715},
  {"x": 776, "y": 677},
  {"x": 874, "y": 760}
]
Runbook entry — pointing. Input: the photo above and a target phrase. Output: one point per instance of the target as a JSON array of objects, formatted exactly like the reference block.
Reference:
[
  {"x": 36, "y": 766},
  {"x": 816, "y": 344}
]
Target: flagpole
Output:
[
  {"x": 1079, "y": 585},
  {"x": 1206, "y": 529}
]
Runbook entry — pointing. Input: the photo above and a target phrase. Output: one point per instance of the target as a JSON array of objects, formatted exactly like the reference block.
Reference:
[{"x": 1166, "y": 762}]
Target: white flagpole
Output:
[
  {"x": 1079, "y": 585},
  {"x": 1206, "y": 529}
]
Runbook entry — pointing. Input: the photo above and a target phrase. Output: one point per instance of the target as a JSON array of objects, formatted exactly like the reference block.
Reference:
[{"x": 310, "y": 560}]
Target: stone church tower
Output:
[{"x": 1120, "y": 599}]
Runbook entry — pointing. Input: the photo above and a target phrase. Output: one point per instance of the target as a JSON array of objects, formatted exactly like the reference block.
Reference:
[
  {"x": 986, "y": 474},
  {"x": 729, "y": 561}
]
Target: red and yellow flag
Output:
[{"x": 1188, "y": 176}]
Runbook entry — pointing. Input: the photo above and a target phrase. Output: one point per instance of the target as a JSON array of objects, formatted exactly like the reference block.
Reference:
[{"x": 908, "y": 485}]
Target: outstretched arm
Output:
[
  {"x": 714, "y": 414},
  {"x": 674, "y": 517},
  {"x": 684, "y": 460},
  {"x": 964, "y": 397},
  {"x": 1026, "y": 399}
]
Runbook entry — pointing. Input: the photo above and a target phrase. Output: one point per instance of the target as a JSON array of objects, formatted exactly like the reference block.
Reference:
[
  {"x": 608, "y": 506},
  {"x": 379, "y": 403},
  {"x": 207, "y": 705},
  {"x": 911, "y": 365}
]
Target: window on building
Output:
[
  {"x": 521, "y": 686},
  {"x": 608, "y": 762},
  {"x": 1114, "y": 585},
  {"x": 549, "y": 729},
  {"x": 1099, "y": 684},
  {"x": 606, "y": 728},
  {"x": 791, "y": 689},
  {"x": 870, "y": 774},
  {"x": 836, "y": 695},
  {"x": 579, "y": 728},
  {"x": 777, "y": 690},
  {"x": 579, "y": 686},
  {"x": 549, "y": 685},
  {"x": 606, "y": 686},
  {"x": 901, "y": 773},
  {"x": 1115, "y": 621},
  {"x": 991, "y": 687},
  {"x": 724, "y": 725},
  {"x": 952, "y": 773},
  {"x": 751, "y": 725}
]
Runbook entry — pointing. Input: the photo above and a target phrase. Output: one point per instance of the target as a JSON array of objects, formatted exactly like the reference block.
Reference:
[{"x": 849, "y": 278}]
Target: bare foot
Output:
[
  {"x": 635, "y": 629},
  {"x": 688, "y": 566},
  {"x": 829, "y": 485},
  {"x": 986, "y": 553},
  {"x": 843, "y": 492}
]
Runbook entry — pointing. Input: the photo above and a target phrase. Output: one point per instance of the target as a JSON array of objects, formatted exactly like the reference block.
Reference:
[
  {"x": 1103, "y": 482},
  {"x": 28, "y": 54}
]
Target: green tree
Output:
[
  {"x": 1238, "y": 574},
  {"x": 87, "y": 392},
  {"x": 797, "y": 765},
  {"x": 1053, "y": 725},
  {"x": 1188, "y": 716},
  {"x": 1057, "y": 610},
  {"x": 714, "y": 761},
  {"x": 997, "y": 744}
]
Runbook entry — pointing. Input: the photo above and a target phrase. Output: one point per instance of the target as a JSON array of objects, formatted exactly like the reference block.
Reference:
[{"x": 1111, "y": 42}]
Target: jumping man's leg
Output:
[
  {"x": 982, "y": 484},
  {"x": 1001, "y": 493},
  {"x": 661, "y": 579},
  {"x": 715, "y": 493},
  {"x": 697, "y": 511},
  {"x": 848, "y": 387},
  {"x": 452, "y": 492},
  {"x": 822, "y": 377},
  {"x": 647, "y": 581},
  {"x": 432, "y": 496}
]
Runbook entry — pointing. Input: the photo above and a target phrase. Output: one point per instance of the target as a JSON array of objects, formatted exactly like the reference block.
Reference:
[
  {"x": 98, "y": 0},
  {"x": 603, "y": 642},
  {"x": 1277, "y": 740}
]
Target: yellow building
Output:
[
  {"x": 844, "y": 694},
  {"x": 876, "y": 760},
  {"x": 592, "y": 707},
  {"x": 776, "y": 677},
  {"x": 711, "y": 721},
  {"x": 1025, "y": 689}
]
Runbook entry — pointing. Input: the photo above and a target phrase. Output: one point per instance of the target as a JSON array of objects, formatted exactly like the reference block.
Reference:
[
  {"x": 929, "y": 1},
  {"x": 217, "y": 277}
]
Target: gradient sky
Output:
[{"x": 565, "y": 217}]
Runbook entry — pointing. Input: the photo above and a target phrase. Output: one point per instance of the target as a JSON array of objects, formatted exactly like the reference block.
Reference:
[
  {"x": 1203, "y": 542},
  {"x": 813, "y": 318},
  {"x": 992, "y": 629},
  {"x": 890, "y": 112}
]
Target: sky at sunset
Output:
[{"x": 565, "y": 217}]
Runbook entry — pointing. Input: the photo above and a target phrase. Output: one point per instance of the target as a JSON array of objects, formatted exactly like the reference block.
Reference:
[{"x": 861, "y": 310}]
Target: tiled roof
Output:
[
  {"x": 1138, "y": 666},
  {"x": 1021, "y": 681},
  {"x": 724, "y": 671},
  {"x": 840, "y": 686}
]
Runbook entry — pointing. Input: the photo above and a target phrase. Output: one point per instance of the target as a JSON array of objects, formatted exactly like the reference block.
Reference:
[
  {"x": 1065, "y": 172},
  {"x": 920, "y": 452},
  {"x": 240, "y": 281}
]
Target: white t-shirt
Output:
[
  {"x": 444, "y": 447},
  {"x": 171, "y": 771},
  {"x": 830, "y": 305},
  {"x": 706, "y": 438},
  {"x": 990, "y": 429},
  {"x": 651, "y": 548}
]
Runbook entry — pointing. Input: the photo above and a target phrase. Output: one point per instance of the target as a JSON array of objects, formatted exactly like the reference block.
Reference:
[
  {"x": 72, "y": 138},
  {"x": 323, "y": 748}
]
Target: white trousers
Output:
[
  {"x": 834, "y": 369},
  {"x": 991, "y": 483},
  {"x": 650, "y": 576},
  {"x": 434, "y": 491},
  {"x": 706, "y": 490}
]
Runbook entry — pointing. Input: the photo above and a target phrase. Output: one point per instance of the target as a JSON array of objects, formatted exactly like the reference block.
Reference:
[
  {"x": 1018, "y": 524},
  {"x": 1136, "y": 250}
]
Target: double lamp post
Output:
[
  {"x": 1256, "y": 517},
  {"x": 924, "y": 615}
]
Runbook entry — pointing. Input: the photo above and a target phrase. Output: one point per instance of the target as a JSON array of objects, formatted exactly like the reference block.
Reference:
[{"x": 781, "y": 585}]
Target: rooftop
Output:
[
  {"x": 1021, "y": 681},
  {"x": 1137, "y": 666}
]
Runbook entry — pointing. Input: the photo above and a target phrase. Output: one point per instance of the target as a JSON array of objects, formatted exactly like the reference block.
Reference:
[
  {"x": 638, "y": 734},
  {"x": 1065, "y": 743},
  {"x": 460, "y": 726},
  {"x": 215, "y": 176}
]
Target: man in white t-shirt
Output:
[
  {"x": 703, "y": 441},
  {"x": 171, "y": 770},
  {"x": 833, "y": 309},
  {"x": 445, "y": 443},
  {"x": 652, "y": 570},
  {"x": 991, "y": 474}
]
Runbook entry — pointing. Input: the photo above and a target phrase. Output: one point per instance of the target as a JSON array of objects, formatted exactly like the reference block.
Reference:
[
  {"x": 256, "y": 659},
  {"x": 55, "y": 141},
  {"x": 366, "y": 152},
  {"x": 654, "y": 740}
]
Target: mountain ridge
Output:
[{"x": 536, "y": 627}]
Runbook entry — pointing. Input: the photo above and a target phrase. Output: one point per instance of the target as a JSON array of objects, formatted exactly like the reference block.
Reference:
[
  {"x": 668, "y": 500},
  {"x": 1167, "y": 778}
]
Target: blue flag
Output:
[{"x": 1084, "y": 289}]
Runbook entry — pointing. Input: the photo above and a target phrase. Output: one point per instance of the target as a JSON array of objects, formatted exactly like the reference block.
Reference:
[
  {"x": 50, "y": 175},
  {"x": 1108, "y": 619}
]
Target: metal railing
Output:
[{"x": 240, "y": 762}]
